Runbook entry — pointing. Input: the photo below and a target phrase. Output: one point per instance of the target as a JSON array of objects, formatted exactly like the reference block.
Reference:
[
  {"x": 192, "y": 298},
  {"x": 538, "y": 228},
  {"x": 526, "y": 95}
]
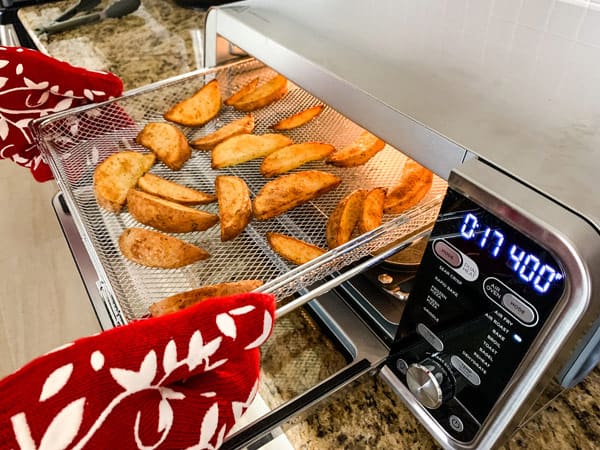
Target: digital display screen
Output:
[{"x": 530, "y": 267}]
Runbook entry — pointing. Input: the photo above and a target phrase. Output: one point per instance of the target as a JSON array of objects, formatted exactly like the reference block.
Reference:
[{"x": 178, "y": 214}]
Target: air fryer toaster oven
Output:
[{"x": 504, "y": 300}]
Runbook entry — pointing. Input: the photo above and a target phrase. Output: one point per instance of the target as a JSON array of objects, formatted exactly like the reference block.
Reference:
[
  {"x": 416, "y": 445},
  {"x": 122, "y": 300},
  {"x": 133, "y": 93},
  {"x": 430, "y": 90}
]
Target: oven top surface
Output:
[{"x": 514, "y": 86}]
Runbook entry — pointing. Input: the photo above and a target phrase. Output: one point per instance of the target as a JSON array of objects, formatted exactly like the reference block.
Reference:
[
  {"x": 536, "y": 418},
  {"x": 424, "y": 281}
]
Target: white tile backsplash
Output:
[
  {"x": 535, "y": 13},
  {"x": 590, "y": 28},
  {"x": 565, "y": 19}
]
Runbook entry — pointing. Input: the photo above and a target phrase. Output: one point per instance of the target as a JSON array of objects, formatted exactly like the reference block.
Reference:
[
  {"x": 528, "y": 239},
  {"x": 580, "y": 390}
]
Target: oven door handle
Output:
[{"x": 260, "y": 428}]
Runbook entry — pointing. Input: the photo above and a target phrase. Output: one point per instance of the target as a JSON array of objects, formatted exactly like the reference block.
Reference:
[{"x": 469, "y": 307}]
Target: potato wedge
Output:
[
  {"x": 235, "y": 207},
  {"x": 155, "y": 249},
  {"x": 244, "y": 125},
  {"x": 167, "y": 216},
  {"x": 298, "y": 119},
  {"x": 182, "y": 300},
  {"x": 118, "y": 173},
  {"x": 415, "y": 182},
  {"x": 293, "y": 156},
  {"x": 372, "y": 210},
  {"x": 358, "y": 152},
  {"x": 169, "y": 190},
  {"x": 293, "y": 250},
  {"x": 198, "y": 109},
  {"x": 167, "y": 142},
  {"x": 244, "y": 90},
  {"x": 246, "y": 147},
  {"x": 263, "y": 95},
  {"x": 343, "y": 219},
  {"x": 288, "y": 191}
]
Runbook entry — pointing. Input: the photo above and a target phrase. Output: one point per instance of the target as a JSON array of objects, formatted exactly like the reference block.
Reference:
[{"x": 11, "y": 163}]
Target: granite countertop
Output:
[{"x": 161, "y": 40}]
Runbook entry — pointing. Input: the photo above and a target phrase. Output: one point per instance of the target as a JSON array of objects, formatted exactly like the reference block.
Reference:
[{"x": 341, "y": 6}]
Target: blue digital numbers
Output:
[
  {"x": 528, "y": 267},
  {"x": 488, "y": 238}
]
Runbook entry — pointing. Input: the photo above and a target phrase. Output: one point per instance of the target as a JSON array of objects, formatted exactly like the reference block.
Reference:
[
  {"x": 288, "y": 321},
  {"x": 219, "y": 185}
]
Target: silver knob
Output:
[{"x": 430, "y": 382}]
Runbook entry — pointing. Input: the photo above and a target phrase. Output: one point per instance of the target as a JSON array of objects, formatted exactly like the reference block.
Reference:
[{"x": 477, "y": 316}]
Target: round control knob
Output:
[{"x": 431, "y": 382}]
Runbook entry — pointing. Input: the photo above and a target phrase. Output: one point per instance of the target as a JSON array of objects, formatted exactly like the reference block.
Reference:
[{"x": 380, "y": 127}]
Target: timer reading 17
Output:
[{"x": 528, "y": 266}]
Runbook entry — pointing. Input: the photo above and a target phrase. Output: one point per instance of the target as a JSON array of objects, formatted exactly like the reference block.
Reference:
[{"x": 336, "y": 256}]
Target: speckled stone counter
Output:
[{"x": 161, "y": 40}]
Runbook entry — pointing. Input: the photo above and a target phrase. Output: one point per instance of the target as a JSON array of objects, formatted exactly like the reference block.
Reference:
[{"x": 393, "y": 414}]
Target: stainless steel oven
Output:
[{"x": 505, "y": 298}]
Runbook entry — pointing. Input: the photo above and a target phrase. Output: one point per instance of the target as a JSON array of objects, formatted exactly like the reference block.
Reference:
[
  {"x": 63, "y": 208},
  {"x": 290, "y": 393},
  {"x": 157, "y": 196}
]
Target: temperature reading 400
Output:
[{"x": 529, "y": 267}]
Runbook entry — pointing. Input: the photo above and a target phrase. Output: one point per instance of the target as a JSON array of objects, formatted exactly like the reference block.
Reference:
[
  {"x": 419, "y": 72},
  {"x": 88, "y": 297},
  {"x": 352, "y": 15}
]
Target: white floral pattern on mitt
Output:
[
  {"x": 34, "y": 85},
  {"x": 173, "y": 382}
]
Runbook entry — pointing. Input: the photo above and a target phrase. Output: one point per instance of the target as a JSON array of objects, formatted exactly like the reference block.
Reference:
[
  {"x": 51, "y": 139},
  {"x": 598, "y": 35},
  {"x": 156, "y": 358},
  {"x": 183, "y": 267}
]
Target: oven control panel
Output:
[{"x": 482, "y": 294}]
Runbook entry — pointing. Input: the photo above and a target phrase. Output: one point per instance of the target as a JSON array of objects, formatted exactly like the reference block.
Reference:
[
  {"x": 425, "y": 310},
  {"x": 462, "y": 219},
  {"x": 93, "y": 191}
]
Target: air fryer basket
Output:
[{"x": 75, "y": 141}]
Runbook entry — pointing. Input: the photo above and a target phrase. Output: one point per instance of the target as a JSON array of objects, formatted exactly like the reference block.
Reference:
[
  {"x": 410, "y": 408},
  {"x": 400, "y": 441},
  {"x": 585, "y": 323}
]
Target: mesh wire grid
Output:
[{"x": 75, "y": 142}]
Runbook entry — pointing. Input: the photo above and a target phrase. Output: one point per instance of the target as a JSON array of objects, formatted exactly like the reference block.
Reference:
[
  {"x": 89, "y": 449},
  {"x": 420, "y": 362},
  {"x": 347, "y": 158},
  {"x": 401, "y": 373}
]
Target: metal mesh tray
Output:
[{"x": 74, "y": 142}]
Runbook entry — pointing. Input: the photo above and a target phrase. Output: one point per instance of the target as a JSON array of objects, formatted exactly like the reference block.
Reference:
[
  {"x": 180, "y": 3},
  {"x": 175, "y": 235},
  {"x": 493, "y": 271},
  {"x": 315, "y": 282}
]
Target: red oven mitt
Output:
[
  {"x": 34, "y": 85},
  {"x": 171, "y": 382}
]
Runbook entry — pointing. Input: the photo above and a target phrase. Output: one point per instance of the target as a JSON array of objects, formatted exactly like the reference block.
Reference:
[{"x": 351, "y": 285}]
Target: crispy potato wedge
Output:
[
  {"x": 372, "y": 210},
  {"x": 358, "y": 152},
  {"x": 155, "y": 249},
  {"x": 182, "y": 300},
  {"x": 244, "y": 125},
  {"x": 244, "y": 90},
  {"x": 288, "y": 191},
  {"x": 415, "y": 182},
  {"x": 293, "y": 250},
  {"x": 298, "y": 119},
  {"x": 118, "y": 173},
  {"x": 263, "y": 95},
  {"x": 235, "y": 206},
  {"x": 343, "y": 219},
  {"x": 293, "y": 156},
  {"x": 167, "y": 142},
  {"x": 167, "y": 216},
  {"x": 246, "y": 147},
  {"x": 175, "y": 192},
  {"x": 198, "y": 109}
]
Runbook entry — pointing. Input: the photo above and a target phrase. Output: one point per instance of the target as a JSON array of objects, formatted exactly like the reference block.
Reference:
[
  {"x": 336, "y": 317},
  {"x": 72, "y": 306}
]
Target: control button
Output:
[
  {"x": 447, "y": 253},
  {"x": 458, "y": 261},
  {"x": 504, "y": 296},
  {"x": 517, "y": 307},
  {"x": 430, "y": 337},
  {"x": 455, "y": 423},
  {"x": 402, "y": 365},
  {"x": 465, "y": 370},
  {"x": 431, "y": 382}
]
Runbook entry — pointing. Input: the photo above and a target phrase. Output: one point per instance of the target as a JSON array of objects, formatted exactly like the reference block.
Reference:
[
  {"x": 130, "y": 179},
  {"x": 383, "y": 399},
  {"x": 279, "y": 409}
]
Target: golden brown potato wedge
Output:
[
  {"x": 415, "y": 182},
  {"x": 169, "y": 190},
  {"x": 343, "y": 219},
  {"x": 294, "y": 250},
  {"x": 293, "y": 156},
  {"x": 263, "y": 95},
  {"x": 298, "y": 119},
  {"x": 167, "y": 216},
  {"x": 167, "y": 142},
  {"x": 235, "y": 207},
  {"x": 244, "y": 90},
  {"x": 244, "y": 125},
  {"x": 182, "y": 300},
  {"x": 372, "y": 210},
  {"x": 198, "y": 109},
  {"x": 288, "y": 191},
  {"x": 155, "y": 249},
  {"x": 246, "y": 147},
  {"x": 118, "y": 173},
  {"x": 358, "y": 152}
]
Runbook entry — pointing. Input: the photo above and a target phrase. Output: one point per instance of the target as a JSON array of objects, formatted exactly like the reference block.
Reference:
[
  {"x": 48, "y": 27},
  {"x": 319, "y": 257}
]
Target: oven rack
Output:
[{"x": 75, "y": 141}]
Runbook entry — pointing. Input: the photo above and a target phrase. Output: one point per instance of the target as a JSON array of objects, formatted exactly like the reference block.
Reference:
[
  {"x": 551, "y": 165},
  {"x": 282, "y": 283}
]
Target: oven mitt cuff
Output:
[
  {"x": 172, "y": 382},
  {"x": 34, "y": 85}
]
